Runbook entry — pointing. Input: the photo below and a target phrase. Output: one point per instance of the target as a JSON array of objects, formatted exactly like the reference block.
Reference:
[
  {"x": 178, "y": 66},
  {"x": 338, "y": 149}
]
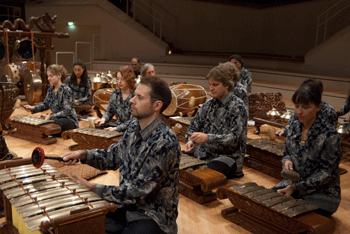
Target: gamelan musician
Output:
[
  {"x": 80, "y": 84},
  {"x": 224, "y": 122},
  {"x": 59, "y": 99},
  {"x": 147, "y": 156},
  {"x": 119, "y": 102},
  {"x": 313, "y": 149}
]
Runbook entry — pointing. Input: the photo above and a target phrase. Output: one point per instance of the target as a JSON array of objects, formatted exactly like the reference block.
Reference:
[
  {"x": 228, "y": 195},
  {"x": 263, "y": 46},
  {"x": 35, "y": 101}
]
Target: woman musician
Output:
[
  {"x": 59, "y": 99},
  {"x": 119, "y": 101},
  {"x": 313, "y": 149}
]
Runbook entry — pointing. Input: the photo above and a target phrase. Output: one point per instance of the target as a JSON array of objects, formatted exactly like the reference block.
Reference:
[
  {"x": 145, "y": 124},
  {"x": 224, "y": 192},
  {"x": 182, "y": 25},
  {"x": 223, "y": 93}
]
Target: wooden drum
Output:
[
  {"x": 185, "y": 99},
  {"x": 100, "y": 100}
]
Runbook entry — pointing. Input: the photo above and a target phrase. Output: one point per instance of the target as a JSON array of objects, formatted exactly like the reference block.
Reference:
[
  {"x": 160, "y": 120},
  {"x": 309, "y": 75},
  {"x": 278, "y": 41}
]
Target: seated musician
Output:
[
  {"x": 345, "y": 109},
  {"x": 59, "y": 99},
  {"x": 148, "y": 70},
  {"x": 148, "y": 156},
  {"x": 238, "y": 88},
  {"x": 313, "y": 149},
  {"x": 327, "y": 111},
  {"x": 80, "y": 84},
  {"x": 224, "y": 122},
  {"x": 245, "y": 75},
  {"x": 119, "y": 102}
]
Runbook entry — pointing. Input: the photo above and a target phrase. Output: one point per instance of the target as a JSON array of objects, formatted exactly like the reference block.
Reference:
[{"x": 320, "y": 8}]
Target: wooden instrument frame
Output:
[
  {"x": 197, "y": 184},
  {"x": 264, "y": 161},
  {"x": 34, "y": 133},
  {"x": 42, "y": 39},
  {"x": 85, "y": 141},
  {"x": 258, "y": 218},
  {"x": 80, "y": 222},
  {"x": 259, "y": 122}
]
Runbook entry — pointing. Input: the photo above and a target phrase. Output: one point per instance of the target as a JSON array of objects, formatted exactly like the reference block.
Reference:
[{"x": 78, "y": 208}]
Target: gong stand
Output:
[{"x": 42, "y": 40}]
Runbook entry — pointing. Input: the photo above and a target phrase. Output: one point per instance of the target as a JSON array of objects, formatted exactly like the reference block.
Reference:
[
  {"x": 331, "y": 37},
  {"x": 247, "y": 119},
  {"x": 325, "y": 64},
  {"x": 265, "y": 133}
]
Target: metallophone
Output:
[
  {"x": 261, "y": 210},
  {"x": 260, "y": 121},
  {"x": 265, "y": 156},
  {"x": 33, "y": 129},
  {"x": 91, "y": 138},
  {"x": 42, "y": 200},
  {"x": 197, "y": 181}
]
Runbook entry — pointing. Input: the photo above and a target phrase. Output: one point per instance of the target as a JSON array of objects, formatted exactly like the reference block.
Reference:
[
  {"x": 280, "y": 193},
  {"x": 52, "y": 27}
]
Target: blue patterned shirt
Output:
[
  {"x": 317, "y": 163},
  {"x": 82, "y": 93},
  {"x": 225, "y": 122},
  {"x": 246, "y": 79},
  {"x": 118, "y": 106},
  {"x": 148, "y": 163},
  {"x": 346, "y": 107},
  {"x": 327, "y": 113},
  {"x": 242, "y": 93},
  {"x": 61, "y": 104}
]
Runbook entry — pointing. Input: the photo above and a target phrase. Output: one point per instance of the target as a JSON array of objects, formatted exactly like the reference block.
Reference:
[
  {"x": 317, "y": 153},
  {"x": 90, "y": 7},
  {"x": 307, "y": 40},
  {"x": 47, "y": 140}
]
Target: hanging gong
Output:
[
  {"x": 32, "y": 87},
  {"x": 23, "y": 48},
  {"x": 2, "y": 50}
]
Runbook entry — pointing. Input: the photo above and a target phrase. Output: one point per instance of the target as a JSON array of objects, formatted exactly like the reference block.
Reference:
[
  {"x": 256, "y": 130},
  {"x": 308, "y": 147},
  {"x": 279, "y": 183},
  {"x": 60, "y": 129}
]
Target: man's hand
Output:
[
  {"x": 72, "y": 157},
  {"x": 84, "y": 182},
  {"x": 48, "y": 117},
  {"x": 28, "y": 108},
  {"x": 288, "y": 165},
  {"x": 199, "y": 137},
  {"x": 189, "y": 147},
  {"x": 287, "y": 191},
  {"x": 280, "y": 132}
]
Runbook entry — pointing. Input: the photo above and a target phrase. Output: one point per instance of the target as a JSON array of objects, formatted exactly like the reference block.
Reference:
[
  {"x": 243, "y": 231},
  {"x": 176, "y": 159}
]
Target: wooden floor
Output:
[{"x": 193, "y": 217}]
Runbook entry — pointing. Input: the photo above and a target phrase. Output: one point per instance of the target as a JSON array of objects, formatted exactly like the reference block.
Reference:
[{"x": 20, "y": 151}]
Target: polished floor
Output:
[{"x": 193, "y": 217}]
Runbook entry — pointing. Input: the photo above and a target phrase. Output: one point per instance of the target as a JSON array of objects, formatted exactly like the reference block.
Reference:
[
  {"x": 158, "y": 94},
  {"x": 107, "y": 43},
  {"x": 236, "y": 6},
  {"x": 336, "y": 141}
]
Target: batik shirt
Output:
[
  {"x": 246, "y": 79},
  {"x": 327, "y": 113},
  {"x": 345, "y": 109},
  {"x": 61, "y": 104},
  {"x": 317, "y": 163},
  {"x": 118, "y": 106},
  {"x": 148, "y": 162},
  {"x": 225, "y": 122},
  {"x": 242, "y": 93},
  {"x": 81, "y": 92}
]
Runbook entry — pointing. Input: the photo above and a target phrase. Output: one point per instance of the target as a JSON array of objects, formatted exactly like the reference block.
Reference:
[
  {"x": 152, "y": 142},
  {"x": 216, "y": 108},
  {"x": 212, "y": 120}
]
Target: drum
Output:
[
  {"x": 2, "y": 50},
  {"x": 19, "y": 71},
  {"x": 185, "y": 99},
  {"x": 100, "y": 100},
  {"x": 23, "y": 49}
]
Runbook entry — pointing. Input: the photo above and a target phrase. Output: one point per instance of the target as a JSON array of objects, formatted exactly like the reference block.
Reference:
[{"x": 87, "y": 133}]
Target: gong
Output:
[
  {"x": 23, "y": 49},
  {"x": 32, "y": 87},
  {"x": 2, "y": 50}
]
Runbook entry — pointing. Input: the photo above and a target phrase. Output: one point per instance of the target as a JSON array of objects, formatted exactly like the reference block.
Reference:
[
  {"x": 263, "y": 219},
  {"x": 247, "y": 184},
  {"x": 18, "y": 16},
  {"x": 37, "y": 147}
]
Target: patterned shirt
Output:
[
  {"x": 61, "y": 104},
  {"x": 327, "y": 113},
  {"x": 81, "y": 92},
  {"x": 346, "y": 107},
  {"x": 242, "y": 93},
  {"x": 246, "y": 79},
  {"x": 317, "y": 163},
  {"x": 225, "y": 122},
  {"x": 118, "y": 106},
  {"x": 148, "y": 162}
]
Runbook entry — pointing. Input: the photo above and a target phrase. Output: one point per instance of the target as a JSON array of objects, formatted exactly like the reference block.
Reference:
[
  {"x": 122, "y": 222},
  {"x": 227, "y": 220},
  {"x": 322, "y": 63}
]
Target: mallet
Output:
[{"x": 38, "y": 157}]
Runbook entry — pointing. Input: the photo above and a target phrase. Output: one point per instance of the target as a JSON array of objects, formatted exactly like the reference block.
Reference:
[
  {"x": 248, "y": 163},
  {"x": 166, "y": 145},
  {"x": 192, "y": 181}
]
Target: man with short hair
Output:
[
  {"x": 147, "y": 156},
  {"x": 136, "y": 66},
  {"x": 224, "y": 122}
]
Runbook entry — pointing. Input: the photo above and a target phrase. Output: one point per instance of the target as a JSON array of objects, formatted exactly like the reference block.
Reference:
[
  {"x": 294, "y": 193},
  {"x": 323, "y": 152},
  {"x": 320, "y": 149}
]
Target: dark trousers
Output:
[
  {"x": 65, "y": 124},
  {"x": 116, "y": 223}
]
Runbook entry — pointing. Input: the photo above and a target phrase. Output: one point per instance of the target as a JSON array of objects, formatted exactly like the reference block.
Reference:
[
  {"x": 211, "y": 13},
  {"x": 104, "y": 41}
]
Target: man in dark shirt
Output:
[
  {"x": 136, "y": 66},
  {"x": 147, "y": 157}
]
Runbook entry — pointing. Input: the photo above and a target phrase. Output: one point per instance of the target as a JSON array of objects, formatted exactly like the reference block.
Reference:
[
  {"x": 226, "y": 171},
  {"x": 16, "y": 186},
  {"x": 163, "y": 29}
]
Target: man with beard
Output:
[{"x": 147, "y": 157}]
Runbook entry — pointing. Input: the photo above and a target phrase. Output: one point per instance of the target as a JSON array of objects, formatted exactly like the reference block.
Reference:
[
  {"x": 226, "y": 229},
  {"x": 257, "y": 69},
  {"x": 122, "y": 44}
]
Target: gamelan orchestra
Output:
[{"x": 165, "y": 139}]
